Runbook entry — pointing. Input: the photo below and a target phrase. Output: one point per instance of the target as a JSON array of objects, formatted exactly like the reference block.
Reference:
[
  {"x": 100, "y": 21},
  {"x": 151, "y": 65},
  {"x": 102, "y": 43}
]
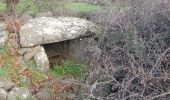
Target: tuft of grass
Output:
[
  {"x": 36, "y": 76},
  {"x": 82, "y": 7},
  {"x": 69, "y": 67},
  {"x": 4, "y": 71},
  {"x": 3, "y": 50}
]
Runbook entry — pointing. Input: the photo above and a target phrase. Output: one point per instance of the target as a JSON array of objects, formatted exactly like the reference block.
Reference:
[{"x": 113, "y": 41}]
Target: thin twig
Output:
[
  {"x": 158, "y": 96},
  {"x": 160, "y": 58}
]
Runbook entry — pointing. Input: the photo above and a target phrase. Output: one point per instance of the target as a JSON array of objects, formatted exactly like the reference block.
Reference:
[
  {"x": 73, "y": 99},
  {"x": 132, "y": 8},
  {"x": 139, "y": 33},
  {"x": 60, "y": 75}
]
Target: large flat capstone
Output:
[{"x": 45, "y": 30}]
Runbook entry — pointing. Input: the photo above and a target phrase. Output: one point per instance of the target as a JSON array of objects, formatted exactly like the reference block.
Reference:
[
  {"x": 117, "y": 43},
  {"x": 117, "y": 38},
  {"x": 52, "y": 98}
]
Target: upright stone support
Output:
[
  {"x": 3, "y": 35},
  {"x": 41, "y": 60}
]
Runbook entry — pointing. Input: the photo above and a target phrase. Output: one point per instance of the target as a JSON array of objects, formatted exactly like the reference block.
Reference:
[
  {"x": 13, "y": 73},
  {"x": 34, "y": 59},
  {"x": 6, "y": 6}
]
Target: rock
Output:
[
  {"x": 34, "y": 98},
  {"x": 42, "y": 95},
  {"x": 47, "y": 84},
  {"x": 30, "y": 54},
  {"x": 19, "y": 93},
  {"x": 6, "y": 85},
  {"x": 25, "y": 80},
  {"x": 45, "y": 14},
  {"x": 3, "y": 38},
  {"x": 2, "y": 26},
  {"x": 68, "y": 96},
  {"x": 19, "y": 59},
  {"x": 23, "y": 51},
  {"x": 3, "y": 94},
  {"x": 46, "y": 30},
  {"x": 101, "y": 89},
  {"x": 41, "y": 60},
  {"x": 3, "y": 35},
  {"x": 24, "y": 66}
]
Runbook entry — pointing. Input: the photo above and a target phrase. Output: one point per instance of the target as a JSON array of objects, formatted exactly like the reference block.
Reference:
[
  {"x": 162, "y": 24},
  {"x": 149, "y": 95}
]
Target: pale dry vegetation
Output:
[{"x": 133, "y": 57}]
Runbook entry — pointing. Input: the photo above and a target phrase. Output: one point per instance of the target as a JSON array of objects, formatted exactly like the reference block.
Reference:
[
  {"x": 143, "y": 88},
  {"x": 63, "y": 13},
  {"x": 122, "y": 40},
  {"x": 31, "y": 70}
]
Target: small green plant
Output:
[
  {"x": 4, "y": 70},
  {"x": 69, "y": 67},
  {"x": 19, "y": 98},
  {"x": 36, "y": 75},
  {"x": 3, "y": 49},
  {"x": 82, "y": 7}
]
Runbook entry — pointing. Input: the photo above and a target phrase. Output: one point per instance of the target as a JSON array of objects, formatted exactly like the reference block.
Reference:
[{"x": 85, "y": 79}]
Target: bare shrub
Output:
[{"x": 134, "y": 53}]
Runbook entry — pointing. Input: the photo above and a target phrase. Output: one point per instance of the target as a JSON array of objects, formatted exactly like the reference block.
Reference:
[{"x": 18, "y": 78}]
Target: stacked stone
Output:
[
  {"x": 45, "y": 30},
  {"x": 8, "y": 91}
]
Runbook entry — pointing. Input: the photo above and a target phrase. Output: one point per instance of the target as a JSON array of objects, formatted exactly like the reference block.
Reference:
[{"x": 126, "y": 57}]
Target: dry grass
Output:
[{"x": 134, "y": 53}]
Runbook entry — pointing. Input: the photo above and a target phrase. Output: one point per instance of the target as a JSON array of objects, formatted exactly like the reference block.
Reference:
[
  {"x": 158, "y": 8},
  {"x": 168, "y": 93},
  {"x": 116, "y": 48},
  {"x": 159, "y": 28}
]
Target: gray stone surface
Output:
[
  {"x": 31, "y": 53},
  {"x": 42, "y": 95},
  {"x": 46, "y": 30},
  {"x": 6, "y": 85},
  {"x": 2, "y": 26},
  {"x": 101, "y": 89},
  {"x": 3, "y": 38},
  {"x": 68, "y": 96},
  {"x": 34, "y": 98},
  {"x": 23, "y": 51},
  {"x": 41, "y": 60},
  {"x": 3, "y": 35},
  {"x": 3, "y": 94},
  {"x": 19, "y": 93}
]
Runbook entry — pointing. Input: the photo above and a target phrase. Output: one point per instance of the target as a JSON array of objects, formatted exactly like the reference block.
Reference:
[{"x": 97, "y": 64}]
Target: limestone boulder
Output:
[
  {"x": 19, "y": 93},
  {"x": 42, "y": 95},
  {"x": 45, "y": 30},
  {"x": 6, "y": 84},
  {"x": 3, "y": 94},
  {"x": 2, "y": 26},
  {"x": 31, "y": 53},
  {"x": 23, "y": 51}
]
